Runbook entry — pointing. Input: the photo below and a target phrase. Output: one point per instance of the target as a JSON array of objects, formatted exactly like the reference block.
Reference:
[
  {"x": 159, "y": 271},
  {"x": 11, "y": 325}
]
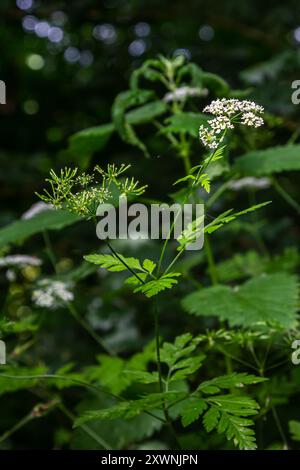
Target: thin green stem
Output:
[
  {"x": 159, "y": 369},
  {"x": 285, "y": 195},
  {"x": 279, "y": 427},
  {"x": 211, "y": 262},
  {"x": 16, "y": 427},
  {"x": 102, "y": 442},
  {"x": 85, "y": 325}
]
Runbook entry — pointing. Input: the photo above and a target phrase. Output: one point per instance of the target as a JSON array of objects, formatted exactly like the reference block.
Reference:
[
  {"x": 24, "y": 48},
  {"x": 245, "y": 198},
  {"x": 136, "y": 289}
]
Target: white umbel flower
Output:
[
  {"x": 230, "y": 107},
  {"x": 228, "y": 112},
  {"x": 52, "y": 294}
]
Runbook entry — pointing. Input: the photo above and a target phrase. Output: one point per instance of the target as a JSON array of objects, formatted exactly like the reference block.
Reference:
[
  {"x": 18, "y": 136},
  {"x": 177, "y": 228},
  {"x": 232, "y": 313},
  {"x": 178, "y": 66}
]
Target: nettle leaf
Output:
[
  {"x": 188, "y": 123},
  {"x": 268, "y": 299},
  {"x": 91, "y": 139},
  {"x": 152, "y": 288},
  {"x": 192, "y": 410},
  {"x": 132, "y": 408},
  {"x": 46, "y": 220},
  {"x": 251, "y": 263},
  {"x": 123, "y": 101},
  {"x": 294, "y": 427},
  {"x": 229, "y": 381},
  {"x": 271, "y": 160},
  {"x": 94, "y": 139}
]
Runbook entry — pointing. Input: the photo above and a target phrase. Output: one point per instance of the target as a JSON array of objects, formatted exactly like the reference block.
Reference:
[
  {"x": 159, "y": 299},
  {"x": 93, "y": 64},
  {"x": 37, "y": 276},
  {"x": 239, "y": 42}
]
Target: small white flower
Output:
[
  {"x": 209, "y": 138},
  {"x": 182, "y": 93},
  {"x": 232, "y": 106},
  {"x": 20, "y": 261},
  {"x": 220, "y": 124},
  {"x": 11, "y": 275},
  {"x": 52, "y": 294},
  {"x": 250, "y": 182},
  {"x": 250, "y": 119}
]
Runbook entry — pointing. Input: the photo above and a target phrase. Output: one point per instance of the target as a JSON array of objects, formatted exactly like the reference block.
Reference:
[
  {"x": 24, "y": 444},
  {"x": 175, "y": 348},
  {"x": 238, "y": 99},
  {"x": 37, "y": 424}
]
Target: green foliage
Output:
[
  {"x": 269, "y": 161},
  {"x": 186, "y": 122},
  {"x": 227, "y": 415},
  {"x": 81, "y": 194},
  {"x": 12, "y": 378},
  {"x": 46, "y": 220},
  {"x": 114, "y": 263},
  {"x": 251, "y": 264},
  {"x": 152, "y": 288},
  {"x": 89, "y": 356},
  {"x": 130, "y": 409},
  {"x": 295, "y": 430},
  {"x": 268, "y": 299}
]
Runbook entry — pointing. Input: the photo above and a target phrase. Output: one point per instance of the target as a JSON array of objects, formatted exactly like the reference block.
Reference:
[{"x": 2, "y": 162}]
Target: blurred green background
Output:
[{"x": 64, "y": 62}]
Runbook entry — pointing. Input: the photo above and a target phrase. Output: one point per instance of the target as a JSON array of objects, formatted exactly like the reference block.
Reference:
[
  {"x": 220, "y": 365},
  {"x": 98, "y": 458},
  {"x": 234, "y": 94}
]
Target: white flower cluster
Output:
[
  {"x": 20, "y": 261},
  {"x": 230, "y": 107},
  {"x": 250, "y": 182},
  {"x": 52, "y": 294},
  {"x": 228, "y": 112},
  {"x": 250, "y": 119},
  {"x": 184, "y": 92}
]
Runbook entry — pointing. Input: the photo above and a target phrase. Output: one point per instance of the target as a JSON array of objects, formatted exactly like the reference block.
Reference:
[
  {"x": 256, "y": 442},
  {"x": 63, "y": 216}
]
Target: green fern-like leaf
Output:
[
  {"x": 229, "y": 381},
  {"x": 152, "y": 288},
  {"x": 112, "y": 263},
  {"x": 228, "y": 415},
  {"x": 192, "y": 410},
  {"x": 132, "y": 408}
]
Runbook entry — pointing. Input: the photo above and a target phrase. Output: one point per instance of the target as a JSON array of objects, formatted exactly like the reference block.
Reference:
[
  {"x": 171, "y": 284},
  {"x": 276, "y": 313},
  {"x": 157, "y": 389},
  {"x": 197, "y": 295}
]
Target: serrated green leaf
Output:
[
  {"x": 149, "y": 265},
  {"x": 46, "y": 220},
  {"x": 152, "y": 288},
  {"x": 269, "y": 161},
  {"x": 229, "y": 381},
  {"x": 112, "y": 263},
  {"x": 192, "y": 410},
  {"x": 268, "y": 299},
  {"x": 188, "y": 123}
]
